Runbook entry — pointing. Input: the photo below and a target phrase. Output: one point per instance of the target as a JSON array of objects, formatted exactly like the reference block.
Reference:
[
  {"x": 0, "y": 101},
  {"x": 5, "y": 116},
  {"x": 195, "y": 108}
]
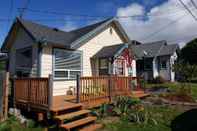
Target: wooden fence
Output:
[
  {"x": 33, "y": 92},
  {"x": 94, "y": 88}
]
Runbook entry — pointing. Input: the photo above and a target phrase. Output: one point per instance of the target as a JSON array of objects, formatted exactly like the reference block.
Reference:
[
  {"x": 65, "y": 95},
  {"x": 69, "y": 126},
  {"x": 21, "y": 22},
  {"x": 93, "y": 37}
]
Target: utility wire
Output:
[
  {"x": 163, "y": 28},
  {"x": 10, "y": 13},
  {"x": 194, "y": 4},
  {"x": 185, "y": 6},
  {"x": 92, "y": 16},
  {"x": 22, "y": 11}
]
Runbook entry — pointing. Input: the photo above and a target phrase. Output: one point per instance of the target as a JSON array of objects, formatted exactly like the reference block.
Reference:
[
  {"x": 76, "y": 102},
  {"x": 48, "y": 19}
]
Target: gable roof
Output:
[
  {"x": 153, "y": 49},
  {"x": 71, "y": 39},
  {"x": 109, "y": 51}
]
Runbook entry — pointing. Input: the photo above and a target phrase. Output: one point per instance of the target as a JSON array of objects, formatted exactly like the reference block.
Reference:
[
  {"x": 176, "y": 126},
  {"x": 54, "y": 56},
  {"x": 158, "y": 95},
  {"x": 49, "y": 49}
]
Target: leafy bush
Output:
[
  {"x": 122, "y": 104},
  {"x": 141, "y": 116}
]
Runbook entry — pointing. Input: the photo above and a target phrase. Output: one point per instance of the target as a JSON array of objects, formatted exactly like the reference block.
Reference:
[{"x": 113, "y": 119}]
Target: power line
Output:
[
  {"x": 185, "y": 6},
  {"x": 163, "y": 27},
  {"x": 10, "y": 13},
  {"x": 92, "y": 16},
  {"x": 194, "y": 4},
  {"x": 24, "y": 9}
]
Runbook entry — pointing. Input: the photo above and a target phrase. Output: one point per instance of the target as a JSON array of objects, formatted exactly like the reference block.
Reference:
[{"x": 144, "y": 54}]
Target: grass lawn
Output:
[
  {"x": 175, "y": 86},
  {"x": 12, "y": 124},
  {"x": 162, "y": 114}
]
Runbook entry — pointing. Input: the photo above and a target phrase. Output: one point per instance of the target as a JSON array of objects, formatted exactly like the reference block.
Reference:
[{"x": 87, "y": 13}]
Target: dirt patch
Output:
[
  {"x": 179, "y": 98},
  {"x": 110, "y": 119}
]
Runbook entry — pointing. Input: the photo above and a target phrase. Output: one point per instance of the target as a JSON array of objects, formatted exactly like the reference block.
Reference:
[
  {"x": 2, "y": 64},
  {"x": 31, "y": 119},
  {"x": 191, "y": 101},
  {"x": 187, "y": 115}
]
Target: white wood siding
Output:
[
  {"x": 46, "y": 61},
  {"x": 94, "y": 45}
]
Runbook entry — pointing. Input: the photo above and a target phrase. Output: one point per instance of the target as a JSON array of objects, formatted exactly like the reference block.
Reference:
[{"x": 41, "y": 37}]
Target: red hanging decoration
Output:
[{"x": 127, "y": 56}]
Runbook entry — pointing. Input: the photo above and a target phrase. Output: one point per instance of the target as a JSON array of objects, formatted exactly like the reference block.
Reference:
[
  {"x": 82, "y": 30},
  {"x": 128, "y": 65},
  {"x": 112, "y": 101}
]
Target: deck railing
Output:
[
  {"x": 94, "y": 88},
  {"x": 33, "y": 92}
]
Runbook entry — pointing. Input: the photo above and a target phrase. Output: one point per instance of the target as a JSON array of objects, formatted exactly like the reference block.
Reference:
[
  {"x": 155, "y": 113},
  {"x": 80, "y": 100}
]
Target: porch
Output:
[{"x": 37, "y": 93}]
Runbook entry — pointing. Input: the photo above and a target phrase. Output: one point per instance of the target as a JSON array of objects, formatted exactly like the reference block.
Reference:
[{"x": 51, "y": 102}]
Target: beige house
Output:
[{"x": 36, "y": 50}]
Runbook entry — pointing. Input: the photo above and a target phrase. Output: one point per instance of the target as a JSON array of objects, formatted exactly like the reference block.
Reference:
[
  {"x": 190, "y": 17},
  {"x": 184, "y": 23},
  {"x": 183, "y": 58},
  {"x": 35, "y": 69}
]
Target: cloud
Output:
[
  {"x": 168, "y": 21},
  {"x": 69, "y": 26}
]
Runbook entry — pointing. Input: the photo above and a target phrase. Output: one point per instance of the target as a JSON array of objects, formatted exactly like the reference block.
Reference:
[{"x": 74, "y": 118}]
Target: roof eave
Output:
[{"x": 79, "y": 42}]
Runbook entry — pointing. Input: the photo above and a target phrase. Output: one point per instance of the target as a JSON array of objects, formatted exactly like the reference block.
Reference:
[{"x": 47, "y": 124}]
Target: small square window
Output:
[
  {"x": 103, "y": 64},
  {"x": 163, "y": 64}
]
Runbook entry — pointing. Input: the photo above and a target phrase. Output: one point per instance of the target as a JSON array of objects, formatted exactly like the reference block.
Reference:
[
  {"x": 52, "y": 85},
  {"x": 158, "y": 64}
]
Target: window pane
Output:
[
  {"x": 67, "y": 63},
  {"x": 67, "y": 60},
  {"x": 24, "y": 57},
  {"x": 61, "y": 74},
  {"x": 103, "y": 63},
  {"x": 73, "y": 74},
  {"x": 163, "y": 64}
]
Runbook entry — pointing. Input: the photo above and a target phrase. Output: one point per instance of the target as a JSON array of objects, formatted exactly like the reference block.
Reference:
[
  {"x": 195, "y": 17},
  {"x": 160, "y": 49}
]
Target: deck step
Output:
[
  {"x": 140, "y": 95},
  {"x": 92, "y": 127},
  {"x": 78, "y": 123},
  {"x": 66, "y": 107},
  {"x": 72, "y": 115},
  {"x": 138, "y": 92}
]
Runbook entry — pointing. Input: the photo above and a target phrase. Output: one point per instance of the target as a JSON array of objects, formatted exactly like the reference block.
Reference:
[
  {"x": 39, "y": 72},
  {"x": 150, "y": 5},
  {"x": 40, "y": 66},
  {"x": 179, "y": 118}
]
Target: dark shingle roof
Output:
[
  {"x": 158, "y": 48},
  {"x": 55, "y": 36},
  {"x": 108, "y": 51}
]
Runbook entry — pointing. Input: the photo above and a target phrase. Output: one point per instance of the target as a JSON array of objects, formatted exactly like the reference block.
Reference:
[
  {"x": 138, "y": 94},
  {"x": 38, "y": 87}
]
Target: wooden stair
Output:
[
  {"x": 73, "y": 116},
  {"x": 78, "y": 123}
]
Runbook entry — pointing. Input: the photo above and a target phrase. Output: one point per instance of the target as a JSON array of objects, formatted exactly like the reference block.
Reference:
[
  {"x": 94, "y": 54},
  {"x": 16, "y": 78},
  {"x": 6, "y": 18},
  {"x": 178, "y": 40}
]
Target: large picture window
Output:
[{"x": 67, "y": 64}]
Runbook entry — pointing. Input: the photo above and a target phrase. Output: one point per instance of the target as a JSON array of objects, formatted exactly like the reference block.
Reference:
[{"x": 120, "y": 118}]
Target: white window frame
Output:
[{"x": 66, "y": 70}]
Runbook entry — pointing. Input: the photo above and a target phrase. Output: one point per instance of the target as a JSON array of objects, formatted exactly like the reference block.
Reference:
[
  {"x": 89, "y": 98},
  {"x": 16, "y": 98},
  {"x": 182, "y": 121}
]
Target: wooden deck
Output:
[
  {"x": 36, "y": 93},
  {"x": 66, "y": 101}
]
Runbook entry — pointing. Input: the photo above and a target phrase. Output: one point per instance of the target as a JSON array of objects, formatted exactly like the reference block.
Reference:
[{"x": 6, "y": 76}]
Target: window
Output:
[
  {"x": 103, "y": 67},
  {"x": 67, "y": 64},
  {"x": 119, "y": 67},
  {"x": 163, "y": 64},
  {"x": 148, "y": 65},
  {"x": 24, "y": 58}
]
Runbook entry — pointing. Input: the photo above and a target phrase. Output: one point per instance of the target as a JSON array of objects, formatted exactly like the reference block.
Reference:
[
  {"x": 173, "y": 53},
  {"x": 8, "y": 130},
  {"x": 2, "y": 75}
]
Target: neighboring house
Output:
[
  {"x": 156, "y": 59},
  {"x": 36, "y": 50}
]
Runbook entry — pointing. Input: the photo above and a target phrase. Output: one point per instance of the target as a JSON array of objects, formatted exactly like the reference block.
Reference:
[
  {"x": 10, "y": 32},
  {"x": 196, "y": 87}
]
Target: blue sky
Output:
[{"x": 89, "y": 7}]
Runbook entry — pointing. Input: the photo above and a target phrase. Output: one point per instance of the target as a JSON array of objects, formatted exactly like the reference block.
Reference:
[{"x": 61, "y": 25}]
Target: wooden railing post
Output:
[
  {"x": 6, "y": 94},
  {"x": 110, "y": 88},
  {"x": 50, "y": 91},
  {"x": 78, "y": 89},
  {"x": 14, "y": 92}
]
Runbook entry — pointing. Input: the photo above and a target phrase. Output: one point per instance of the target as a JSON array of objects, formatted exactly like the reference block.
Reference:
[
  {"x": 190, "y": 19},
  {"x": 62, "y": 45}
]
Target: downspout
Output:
[{"x": 39, "y": 60}]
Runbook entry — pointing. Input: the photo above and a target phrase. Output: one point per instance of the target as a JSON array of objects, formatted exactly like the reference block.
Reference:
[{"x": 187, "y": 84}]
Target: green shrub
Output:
[{"x": 31, "y": 123}]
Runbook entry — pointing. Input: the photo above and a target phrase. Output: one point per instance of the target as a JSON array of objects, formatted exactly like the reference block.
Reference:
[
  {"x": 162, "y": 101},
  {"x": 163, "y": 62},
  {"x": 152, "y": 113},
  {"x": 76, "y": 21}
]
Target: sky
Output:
[{"x": 157, "y": 19}]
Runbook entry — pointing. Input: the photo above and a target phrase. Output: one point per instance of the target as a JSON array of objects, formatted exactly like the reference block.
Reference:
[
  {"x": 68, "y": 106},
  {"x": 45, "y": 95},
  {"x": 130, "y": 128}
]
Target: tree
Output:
[
  {"x": 186, "y": 73},
  {"x": 189, "y": 52}
]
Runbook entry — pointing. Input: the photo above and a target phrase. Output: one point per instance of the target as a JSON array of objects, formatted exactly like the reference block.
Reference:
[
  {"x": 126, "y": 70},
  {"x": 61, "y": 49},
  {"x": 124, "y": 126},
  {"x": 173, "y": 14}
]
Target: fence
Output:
[
  {"x": 33, "y": 92},
  {"x": 94, "y": 88}
]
